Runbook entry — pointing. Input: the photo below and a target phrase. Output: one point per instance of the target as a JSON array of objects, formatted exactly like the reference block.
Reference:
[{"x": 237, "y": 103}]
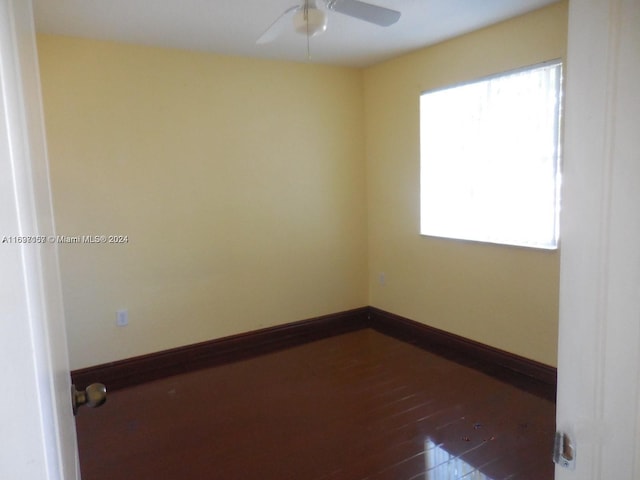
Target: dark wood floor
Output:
[{"x": 356, "y": 406}]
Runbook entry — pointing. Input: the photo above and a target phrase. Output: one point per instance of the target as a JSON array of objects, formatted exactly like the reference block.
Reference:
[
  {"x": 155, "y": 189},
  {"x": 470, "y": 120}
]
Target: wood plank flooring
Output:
[{"x": 356, "y": 406}]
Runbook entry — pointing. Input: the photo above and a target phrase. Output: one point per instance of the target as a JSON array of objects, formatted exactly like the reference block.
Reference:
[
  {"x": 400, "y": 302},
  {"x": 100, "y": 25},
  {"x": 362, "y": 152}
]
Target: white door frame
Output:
[
  {"x": 37, "y": 430},
  {"x": 599, "y": 337}
]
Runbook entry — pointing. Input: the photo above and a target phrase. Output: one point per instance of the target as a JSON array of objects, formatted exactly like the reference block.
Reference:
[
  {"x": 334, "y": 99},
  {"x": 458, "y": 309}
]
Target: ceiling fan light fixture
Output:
[{"x": 310, "y": 21}]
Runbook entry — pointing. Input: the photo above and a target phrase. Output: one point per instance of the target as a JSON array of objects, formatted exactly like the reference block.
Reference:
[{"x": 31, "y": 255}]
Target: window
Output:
[{"x": 489, "y": 156}]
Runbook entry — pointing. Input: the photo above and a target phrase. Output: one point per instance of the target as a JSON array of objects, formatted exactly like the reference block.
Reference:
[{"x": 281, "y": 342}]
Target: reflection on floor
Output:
[
  {"x": 356, "y": 406},
  {"x": 441, "y": 465}
]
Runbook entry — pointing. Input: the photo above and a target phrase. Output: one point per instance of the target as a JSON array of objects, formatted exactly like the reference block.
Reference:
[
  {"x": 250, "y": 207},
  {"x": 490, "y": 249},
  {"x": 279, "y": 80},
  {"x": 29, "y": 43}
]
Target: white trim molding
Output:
[{"x": 37, "y": 434}]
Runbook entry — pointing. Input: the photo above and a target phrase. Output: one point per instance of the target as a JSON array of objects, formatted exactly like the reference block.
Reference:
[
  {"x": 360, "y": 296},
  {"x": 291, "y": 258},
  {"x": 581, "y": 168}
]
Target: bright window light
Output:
[
  {"x": 442, "y": 465},
  {"x": 489, "y": 159}
]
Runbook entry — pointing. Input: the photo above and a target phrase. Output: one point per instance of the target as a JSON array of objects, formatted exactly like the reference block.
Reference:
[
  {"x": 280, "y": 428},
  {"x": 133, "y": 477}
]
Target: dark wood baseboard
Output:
[
  {"x": 520, "y": 371},
  {"x": 134, "y": 371},
  {"x": 529, "y": 373}
]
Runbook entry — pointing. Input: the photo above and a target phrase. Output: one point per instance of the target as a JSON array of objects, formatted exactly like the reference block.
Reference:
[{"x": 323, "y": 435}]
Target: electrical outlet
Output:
[
  {"x": 382, "y": 279},
  {"x": 122, "y": 318}
]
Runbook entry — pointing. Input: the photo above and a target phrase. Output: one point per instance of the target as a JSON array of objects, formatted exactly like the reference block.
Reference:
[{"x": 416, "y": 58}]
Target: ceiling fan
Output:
[{"x": 310, "y": 20}]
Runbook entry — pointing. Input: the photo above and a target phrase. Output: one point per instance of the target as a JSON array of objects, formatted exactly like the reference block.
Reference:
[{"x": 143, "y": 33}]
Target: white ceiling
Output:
[{"x": 232, "y": 26}]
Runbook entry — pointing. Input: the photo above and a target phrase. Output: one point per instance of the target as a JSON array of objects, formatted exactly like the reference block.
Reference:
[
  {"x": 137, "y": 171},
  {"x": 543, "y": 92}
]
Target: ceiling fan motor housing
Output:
[{"x": 310, "y": 21}]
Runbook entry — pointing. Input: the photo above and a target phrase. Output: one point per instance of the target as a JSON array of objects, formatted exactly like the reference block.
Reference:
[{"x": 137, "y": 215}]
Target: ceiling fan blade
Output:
[
  {"x": 365, "y": 11},
  {"x": 278, "y": 26}
]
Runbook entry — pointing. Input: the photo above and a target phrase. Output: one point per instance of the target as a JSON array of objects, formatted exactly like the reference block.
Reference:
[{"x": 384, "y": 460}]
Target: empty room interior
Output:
[{"x": 266, "y": 217}]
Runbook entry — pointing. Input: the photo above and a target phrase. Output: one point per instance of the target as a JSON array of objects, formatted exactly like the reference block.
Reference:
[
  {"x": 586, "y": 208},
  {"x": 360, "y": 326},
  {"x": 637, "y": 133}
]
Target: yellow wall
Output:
[
  {"x": 502, "y": 296},
  {"x": 239, "y": 182},
  {"x": 255, "y": 192}
]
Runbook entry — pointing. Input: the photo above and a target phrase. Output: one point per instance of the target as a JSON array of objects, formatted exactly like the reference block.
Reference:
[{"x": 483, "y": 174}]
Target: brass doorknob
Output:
[{"x": 93, "y": 396}]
